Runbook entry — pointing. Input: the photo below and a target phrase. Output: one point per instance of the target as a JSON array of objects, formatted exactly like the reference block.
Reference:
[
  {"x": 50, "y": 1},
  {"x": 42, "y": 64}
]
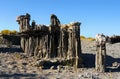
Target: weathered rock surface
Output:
[{"x": 53, "y": 41}]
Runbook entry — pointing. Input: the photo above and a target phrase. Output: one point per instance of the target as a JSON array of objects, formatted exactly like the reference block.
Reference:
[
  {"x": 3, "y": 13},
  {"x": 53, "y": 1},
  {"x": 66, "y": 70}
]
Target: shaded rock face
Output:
[
  {"x": 114, "y": 39},
  {"x": 55, "y": 40},
  {"x": 10, "y": 40}
]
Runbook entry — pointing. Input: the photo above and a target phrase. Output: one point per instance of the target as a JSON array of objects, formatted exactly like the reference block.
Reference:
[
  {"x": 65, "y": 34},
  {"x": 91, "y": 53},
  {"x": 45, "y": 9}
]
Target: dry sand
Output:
[{"x": 15, "y": 65}]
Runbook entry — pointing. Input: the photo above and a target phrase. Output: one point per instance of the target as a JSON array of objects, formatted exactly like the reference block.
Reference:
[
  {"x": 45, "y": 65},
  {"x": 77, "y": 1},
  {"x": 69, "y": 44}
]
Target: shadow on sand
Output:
[
  {"x": 10, "y": 49},
  {"x": 89, "y": 62},
  {"x": 109, "y": 61},
  {"x": 18, "y": 76}
]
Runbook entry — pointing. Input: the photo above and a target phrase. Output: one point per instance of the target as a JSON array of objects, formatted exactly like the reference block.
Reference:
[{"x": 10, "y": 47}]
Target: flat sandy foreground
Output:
[{"x": 15, "y": 65}]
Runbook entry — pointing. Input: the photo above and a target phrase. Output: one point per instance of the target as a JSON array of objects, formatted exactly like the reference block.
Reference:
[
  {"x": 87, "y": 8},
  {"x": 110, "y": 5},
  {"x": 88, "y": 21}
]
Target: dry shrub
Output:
[
  {"x": 5, "y": 32},
  {"x": 8, "y": 32},
  {"x": 87, "y": 39},
  {"x": 82, "y": 37},
  {"x": 91, "y": 39},
  {"x": 13, "y": 32}
]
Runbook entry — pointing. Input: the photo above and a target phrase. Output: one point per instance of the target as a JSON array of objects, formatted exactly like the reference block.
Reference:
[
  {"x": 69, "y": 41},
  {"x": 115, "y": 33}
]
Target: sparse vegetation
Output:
[
  {"x": 91, "y": 39},
  {"x": 9, "y": 37},
  {"x": 87, "y": 38},
  {"x": 82, "y": 37},
  {"x": 8, "y": 32},
  {"x": 13, "y": 32},
  {"x": 5, "y": 32}
]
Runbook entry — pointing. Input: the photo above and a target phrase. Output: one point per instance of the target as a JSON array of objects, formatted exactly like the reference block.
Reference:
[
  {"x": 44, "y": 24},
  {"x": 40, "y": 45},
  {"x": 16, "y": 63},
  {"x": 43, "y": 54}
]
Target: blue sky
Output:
[{"x": 96, "y": 16}]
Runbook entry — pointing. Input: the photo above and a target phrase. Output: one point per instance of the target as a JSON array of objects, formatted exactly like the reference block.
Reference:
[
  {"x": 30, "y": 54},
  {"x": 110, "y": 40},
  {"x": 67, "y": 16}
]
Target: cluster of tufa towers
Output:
[
  {"x": 57, "y": 41},
  {"x": 52, "y": 41}
]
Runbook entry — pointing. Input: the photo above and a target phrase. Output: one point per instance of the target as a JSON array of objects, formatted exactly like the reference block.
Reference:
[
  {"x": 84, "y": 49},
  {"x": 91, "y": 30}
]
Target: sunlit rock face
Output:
[{"x": 55, "y": 40}]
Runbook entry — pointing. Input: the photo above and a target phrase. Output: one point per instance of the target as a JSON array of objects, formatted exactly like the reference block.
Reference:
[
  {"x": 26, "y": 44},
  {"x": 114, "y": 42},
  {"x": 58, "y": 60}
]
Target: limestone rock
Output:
[{"x": 54, "y": 41}]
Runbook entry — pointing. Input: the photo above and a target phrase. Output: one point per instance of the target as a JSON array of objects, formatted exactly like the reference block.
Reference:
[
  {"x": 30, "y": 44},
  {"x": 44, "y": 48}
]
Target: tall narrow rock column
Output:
[{"x": 100, "y": 53}]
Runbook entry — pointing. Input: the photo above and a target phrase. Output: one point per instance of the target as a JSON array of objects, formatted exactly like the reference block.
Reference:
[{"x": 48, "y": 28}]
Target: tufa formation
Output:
[{"x": 54, "y": 41}]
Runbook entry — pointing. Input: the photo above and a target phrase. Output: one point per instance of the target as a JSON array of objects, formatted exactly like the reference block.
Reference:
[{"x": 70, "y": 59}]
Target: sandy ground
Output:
[{"x": 15, "y": 65}]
